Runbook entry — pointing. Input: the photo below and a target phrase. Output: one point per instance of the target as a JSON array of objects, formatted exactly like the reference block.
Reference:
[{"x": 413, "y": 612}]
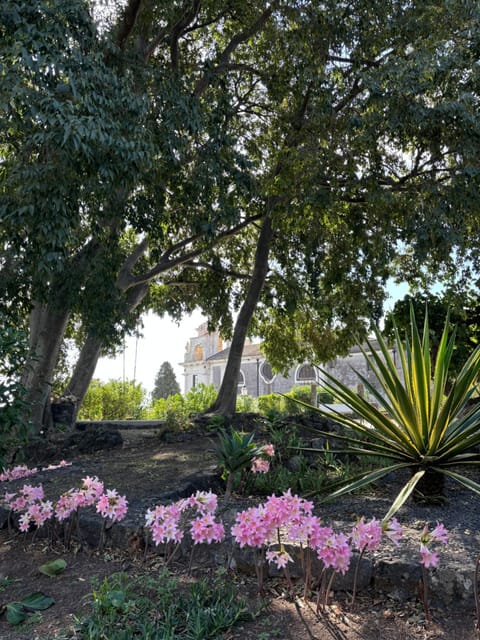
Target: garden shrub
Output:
[
  {"x": 176, "y": 409},
  {"x": 302, "y": 394},
  {"x": 325, "y": 397},
  {"x": 200, "y": 398},
  {"x": 271, "y": 402},
  {"x": 15, "y": 430},
  {"x": 113, "y": 400},
  {"x": 245, "y": 404},
  {"x": 172, "y": 409}
]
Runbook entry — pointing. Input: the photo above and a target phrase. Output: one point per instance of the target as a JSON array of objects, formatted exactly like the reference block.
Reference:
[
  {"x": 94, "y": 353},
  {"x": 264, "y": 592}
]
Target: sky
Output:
[{"x": 164, "y": 340}]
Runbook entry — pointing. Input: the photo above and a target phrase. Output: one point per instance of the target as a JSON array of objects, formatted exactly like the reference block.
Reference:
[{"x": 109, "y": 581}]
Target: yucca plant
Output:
[{"x": 418, "y": 419}]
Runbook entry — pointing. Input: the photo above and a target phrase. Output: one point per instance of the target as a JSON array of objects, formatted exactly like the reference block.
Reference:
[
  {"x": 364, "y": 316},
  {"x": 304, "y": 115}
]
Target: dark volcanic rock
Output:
[{"x": 94, "y": 440}]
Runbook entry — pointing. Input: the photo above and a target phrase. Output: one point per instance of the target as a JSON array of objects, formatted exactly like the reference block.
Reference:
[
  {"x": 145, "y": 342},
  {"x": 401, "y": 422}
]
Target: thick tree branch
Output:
[
  {"x": 174, "y": 32},
  {"x": 127, "y": 23},
  {"x": 234, "y": 43},
  {"x": 216, "y": 269},
  {"x": 179, "y": 28},
  {"x": 166, "y": 262},
  {"x": 124, "y": 277},
  {"x": 356, "y": 89}
]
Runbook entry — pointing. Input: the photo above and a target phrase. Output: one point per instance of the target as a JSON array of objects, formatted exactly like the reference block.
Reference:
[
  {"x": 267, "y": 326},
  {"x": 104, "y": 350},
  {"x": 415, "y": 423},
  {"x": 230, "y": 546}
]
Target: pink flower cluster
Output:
[
  {"x": 29, "y": 502},
  {"x": 259, "y": 526},
  {"x": 261, "y": 464},
  {"x": 112, "y": 505},
  {"x": 439, "y": 534},
  {"x": 166, "y": 522},
  {"x": 90, "y": 491},
  {"x": 367, "y": 536},
  {"x": 22, "y": 471},
  {"x": 293, "y": 518}
]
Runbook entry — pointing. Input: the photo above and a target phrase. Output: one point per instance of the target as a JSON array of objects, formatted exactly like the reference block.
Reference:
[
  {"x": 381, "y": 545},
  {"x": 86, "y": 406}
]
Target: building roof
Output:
[{"x": 249, "y": 351}]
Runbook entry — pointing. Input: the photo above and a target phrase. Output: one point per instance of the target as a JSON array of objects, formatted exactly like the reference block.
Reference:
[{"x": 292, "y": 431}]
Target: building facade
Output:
[{"x": 206, "y": 357}]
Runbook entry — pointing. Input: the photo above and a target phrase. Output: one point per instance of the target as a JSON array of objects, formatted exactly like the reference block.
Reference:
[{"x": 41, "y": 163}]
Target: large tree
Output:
[
  {"x": 165, "y": 165},
  {"x": 385, "y": 169},
  {"x": 183, "y": 138}
]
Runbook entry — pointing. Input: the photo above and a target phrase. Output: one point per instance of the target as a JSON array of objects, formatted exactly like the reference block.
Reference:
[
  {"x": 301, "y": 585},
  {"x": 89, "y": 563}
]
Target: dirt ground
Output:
[{"x": 144, "y": 468}]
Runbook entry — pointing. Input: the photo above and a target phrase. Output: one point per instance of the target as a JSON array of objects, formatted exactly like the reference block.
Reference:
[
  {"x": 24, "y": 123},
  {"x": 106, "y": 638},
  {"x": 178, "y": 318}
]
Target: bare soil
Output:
[{"x": 146, "y": 468}]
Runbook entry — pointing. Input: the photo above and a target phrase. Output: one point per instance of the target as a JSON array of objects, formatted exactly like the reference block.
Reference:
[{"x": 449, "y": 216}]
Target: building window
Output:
[
  {"x": 198, "y": 353},
  {"x": 241, "y": 382},
  {"x": 266, "y": 372},
  {"x": 306, "y": 374}
]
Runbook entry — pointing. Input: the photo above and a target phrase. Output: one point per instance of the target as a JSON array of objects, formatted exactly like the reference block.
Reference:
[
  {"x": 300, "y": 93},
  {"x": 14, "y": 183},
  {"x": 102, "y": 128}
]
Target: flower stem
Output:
[
  {"x": 355, "y": 577},
  {"x": 475, "y": 593},
  {"x": 307, "y": 573},
  {"x": 329, "y": 586},
  {"x": 321, "y": 588},
  {"x": 424, "y": 594}
]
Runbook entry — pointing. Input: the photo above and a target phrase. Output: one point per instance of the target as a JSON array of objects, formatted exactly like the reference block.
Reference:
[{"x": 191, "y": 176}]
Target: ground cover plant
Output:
[{"x": 152, "y": 608}]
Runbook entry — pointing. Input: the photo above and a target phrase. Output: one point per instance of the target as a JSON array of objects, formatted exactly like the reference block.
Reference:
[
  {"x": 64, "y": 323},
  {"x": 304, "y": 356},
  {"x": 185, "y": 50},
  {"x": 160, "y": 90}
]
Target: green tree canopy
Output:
[{"x": 463, "y": 314}]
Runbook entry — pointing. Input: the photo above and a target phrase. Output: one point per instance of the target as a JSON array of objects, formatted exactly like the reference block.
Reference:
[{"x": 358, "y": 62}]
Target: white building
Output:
[{"x": 206, "y": 358}]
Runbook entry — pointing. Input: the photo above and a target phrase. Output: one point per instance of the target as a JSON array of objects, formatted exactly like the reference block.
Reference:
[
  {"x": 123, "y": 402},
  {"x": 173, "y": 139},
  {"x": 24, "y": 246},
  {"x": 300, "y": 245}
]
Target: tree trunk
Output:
[
  {"x": 91, "y": 351},
  {"x": 84, "y": 370},
  {"x": 47, "y": 328},
  {"x": 48, "y": 323},
  {"x": 227, "y": 394}
]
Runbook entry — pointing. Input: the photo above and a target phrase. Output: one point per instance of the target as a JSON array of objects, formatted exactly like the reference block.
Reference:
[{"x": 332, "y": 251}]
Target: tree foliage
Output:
[
  {"x": 166, "y": 383},
  {"x": 13, "y": 353},
  {"x": 145, "y": 161}
]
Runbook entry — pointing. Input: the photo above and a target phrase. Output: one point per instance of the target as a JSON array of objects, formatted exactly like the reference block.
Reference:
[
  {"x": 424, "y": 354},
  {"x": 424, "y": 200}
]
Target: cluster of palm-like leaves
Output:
[
  {"x": 235, "y": 452},
  {"x": 417, "y": 419}
]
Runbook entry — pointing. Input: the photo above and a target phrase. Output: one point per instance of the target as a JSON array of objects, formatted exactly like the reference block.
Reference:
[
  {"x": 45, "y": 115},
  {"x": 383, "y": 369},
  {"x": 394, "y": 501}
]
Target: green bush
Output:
[
  {"x": 172, "y": 409},
  {"x": 200, "y": 398},
  {"x": 113, "y": 400},
  {"x": 176, "y": 409},
  {"x": 325, "y": 397},
  {"x": 245, "y": 404}
]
